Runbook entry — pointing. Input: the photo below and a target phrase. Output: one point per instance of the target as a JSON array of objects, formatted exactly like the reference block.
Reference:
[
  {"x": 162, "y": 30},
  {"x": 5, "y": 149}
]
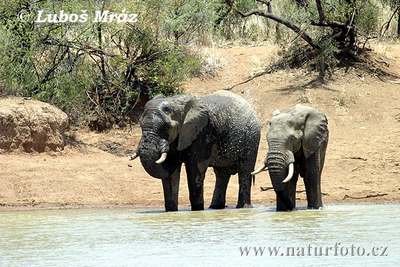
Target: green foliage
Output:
[
  {"x": 228, "y": 24},
  {"x": 366, "y": 13},
  {"x": 367, "y": 20},
  {"x": 327, "y": 57},
  {"x": 102, "y": 70},
  {"x": 392, "y": 3},
  {"x": 107, "y": 70},
  {"x": 186, "y": 19}
]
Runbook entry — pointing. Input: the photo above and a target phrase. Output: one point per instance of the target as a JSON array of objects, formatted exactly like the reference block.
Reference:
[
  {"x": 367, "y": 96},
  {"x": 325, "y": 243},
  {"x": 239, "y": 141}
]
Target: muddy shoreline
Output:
[
  {"x": 160, "y": 207},
  {"x": 362, "y": 163}
]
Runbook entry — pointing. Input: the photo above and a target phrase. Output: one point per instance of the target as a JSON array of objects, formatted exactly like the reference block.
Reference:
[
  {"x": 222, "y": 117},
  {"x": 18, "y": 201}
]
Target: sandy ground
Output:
[{"x": 362, "y": 162}]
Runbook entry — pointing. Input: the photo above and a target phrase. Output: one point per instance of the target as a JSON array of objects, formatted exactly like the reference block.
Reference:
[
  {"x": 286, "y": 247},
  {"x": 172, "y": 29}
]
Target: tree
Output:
[
  {"x": 102, "y": 70},
  {"x": 332, "y": 30}
]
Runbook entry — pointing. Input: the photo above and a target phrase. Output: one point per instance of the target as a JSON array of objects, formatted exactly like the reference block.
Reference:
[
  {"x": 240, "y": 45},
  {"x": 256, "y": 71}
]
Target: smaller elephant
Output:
[{"x": 297, "y": 142}]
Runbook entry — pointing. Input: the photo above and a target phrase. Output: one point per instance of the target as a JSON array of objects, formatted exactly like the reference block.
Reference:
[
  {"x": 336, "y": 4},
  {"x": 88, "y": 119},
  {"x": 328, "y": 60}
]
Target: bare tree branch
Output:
[
  {"x": 320, "y": 11},
  {"x": 280, "y": 20},
  {"x": 387, "y": 24},
  {"x": 350, "y": 24},
  {"x": 331, "y": 24}
]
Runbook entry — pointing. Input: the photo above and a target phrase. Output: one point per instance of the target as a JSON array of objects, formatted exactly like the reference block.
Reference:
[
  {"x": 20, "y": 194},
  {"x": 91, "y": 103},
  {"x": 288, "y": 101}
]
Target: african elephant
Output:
[
  {"x": 297, "y": 141},
  {"x": 218, "y": 130}
]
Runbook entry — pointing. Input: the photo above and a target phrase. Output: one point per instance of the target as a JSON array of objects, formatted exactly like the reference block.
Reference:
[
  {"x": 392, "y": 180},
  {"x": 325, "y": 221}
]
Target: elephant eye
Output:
[{"x": 166, "y": 109}]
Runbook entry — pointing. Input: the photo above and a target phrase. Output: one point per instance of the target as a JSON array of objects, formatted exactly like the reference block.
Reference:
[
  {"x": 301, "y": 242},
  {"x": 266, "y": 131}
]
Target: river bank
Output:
[{"x": 362, "y": 161}]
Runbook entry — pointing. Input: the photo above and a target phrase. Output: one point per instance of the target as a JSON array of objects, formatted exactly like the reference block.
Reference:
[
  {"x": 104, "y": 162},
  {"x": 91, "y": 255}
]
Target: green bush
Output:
[
  {"x": 96, "y": 72},
  {"x": 103, "y": 73}
]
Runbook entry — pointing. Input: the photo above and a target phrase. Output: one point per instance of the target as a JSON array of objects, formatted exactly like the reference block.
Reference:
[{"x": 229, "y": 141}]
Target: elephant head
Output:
[
  {"x": 297, "y": 131},
  {"x": 169, "y": 125}
]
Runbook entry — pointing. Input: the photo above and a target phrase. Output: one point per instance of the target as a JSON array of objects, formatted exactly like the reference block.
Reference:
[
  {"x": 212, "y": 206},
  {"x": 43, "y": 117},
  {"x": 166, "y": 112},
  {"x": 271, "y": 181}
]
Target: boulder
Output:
[{"x": 30, "y": 125}]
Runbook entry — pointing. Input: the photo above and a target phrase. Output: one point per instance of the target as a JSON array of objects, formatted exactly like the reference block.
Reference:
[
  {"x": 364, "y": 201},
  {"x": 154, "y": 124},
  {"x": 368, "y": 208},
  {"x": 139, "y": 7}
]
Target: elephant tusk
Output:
[
  {"x": 133, "y": 156},
  {"x": 162, "y": 158},
  {"x": 290, "y": 173},
  {"x": 261, "y": 169}
]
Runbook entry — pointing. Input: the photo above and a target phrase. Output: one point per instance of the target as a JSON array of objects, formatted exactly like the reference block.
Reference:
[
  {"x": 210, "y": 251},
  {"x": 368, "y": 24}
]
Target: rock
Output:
[{"x": 31, "y": 125}]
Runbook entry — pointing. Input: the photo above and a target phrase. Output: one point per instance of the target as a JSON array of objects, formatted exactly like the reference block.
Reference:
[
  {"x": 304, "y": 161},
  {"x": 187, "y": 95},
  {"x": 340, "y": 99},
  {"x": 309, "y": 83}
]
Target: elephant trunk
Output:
[
  {"x": 280, "y": 162},
  {"x": 280, "y": 165},
  {"x": 153, "y": 153}
]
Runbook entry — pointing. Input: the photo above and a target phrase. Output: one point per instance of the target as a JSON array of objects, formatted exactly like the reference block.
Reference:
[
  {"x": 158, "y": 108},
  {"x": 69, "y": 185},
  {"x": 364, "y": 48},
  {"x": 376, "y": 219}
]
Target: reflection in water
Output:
[{"x": 123, "y": 237}]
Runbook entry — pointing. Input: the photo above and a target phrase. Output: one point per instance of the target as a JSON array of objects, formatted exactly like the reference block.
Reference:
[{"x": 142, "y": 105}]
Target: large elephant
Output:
[
  {"x": 297, "y": 141},
  {"x": 219, "y": 130}
]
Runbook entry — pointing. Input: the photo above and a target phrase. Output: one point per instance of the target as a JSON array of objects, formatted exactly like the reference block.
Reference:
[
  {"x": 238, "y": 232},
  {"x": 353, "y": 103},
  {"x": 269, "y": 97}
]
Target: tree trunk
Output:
[{"x": 398, "y": 24}]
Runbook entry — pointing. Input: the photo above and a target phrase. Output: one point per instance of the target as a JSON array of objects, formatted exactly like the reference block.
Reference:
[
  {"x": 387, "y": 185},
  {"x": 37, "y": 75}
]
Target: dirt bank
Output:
[{"x": 362, "y": 163}]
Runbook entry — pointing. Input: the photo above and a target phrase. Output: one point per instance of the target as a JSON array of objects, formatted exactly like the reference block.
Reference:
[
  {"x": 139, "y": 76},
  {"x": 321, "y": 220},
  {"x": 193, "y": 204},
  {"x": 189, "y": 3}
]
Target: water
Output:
[{"x": 125, "y": 237}]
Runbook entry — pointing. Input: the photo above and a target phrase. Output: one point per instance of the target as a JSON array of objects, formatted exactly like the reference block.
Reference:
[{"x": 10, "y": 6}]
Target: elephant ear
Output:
[
  {"x": 315, "y": 132},
  {"x": 195, "y": 120}
]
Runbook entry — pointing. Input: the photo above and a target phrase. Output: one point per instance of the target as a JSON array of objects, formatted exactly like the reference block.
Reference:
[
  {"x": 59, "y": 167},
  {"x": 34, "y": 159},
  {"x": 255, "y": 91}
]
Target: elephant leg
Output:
[
  {"x": 221, "y": 184},
  {"x": 322, "y": 155},
  {"x": 195, "y": 173},
  {"x": 283, "y": 202},
  {"x": 292, "y": 187},
  {"x": 286, "y": 199},
  {"x": 244, "y": 198},
  {"x": 312, "y": 181},
  {"x": 171, "y": 190}
]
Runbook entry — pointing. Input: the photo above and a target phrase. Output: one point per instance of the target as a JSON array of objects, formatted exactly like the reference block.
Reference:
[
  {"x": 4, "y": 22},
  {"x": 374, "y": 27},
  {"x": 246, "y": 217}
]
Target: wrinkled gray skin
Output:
[
  {"x": 299, "y": 135},
  {"x": 219, "y": 130}
]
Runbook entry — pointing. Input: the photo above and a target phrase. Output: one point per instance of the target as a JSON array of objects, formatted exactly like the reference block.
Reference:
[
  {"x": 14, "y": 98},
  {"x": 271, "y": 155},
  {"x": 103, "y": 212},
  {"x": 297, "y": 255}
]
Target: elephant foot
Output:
[
  {"x": 315, "y": 204},
  {"x": 284, "y": 209},
  {"x": 171, "y": 208},
  {"x": 244, "y": 206},
  {"x": 314, "y": 208},
  {"x": 218, "y": 206},
  {"x": 197, "y": 207}
]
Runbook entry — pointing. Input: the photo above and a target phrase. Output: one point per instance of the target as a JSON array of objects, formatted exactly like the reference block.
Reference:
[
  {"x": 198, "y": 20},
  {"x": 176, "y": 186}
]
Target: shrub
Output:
[{"x": 96, "y": 72}]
